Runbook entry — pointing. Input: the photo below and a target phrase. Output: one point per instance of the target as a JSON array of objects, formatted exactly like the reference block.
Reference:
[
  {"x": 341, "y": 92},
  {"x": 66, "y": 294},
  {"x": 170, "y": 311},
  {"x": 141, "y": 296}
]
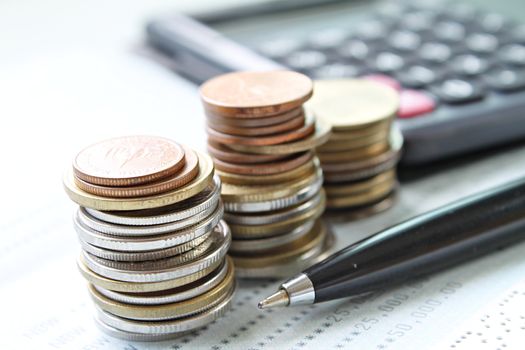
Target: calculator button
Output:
[
  {"x": 518, "y": 34},
  {"x": 279, "y": 48},
  {"x": 335, "y": 70},
  {"x": 449, "y": 31},
  {"x": 404, "y": 40},
  {"x": 469, "y": 65},
  {"x": 512, "y": 54},
  {"x": 327, "y": 39},
  {"x": 435, "y": 52},
  {"x": 387, "y": 62},
  {"x": 482, "y": 42},
  {"x": 307, "y": 59},
  {"x": 506, "y": 80},
  {"x": 413, "y": 103},
  {"x": 418, "y": 21},
  {"x": 355, "y": 49},
  {"x": 385, "y": 80},
  {"x": 417, "y": 76},
  {"x": 493, "y": 23},
  {"x": 372, "y": 30},
  {"x": 457, "y": 91}
]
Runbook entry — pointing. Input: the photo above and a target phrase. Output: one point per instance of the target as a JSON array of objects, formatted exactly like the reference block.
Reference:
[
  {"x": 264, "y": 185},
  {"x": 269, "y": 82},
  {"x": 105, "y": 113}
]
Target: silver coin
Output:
[
  {"x": 295, "y": 265},
  {"x": 140, "y": 337},
  {"x": 141, "y": 243},
  {"x": 144, "y": 255},
  {"x": 276, "y": 204},
  {"x": 169, "y": 296},
  {"x": 283, "y": 214},
  {"x": 156, "y": 216},
  {"x": 126, "y": 230},
  {"x": 163, "y": 328},
  {"x": 255, "y": 245},
  {"x": 199, "y": 258}
]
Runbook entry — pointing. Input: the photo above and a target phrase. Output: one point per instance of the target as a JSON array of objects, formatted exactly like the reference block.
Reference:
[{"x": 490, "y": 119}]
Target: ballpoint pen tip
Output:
[{"x": 280, "y": 298}]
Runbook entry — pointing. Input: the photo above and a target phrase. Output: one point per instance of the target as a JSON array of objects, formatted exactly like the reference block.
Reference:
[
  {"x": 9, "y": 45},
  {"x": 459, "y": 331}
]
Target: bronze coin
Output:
[
  {"x": 222, "y": 152},
  {"x": 128, "y": 161},
  {"x": 188, "y": 173},
  {"x": 289, "y": 125},
  {"x": 292, "y": 175},
  {"x": 355, "y": 154},
  {"x": 359, "y": 174},
  {"x": 255, "y": 122},
  {"x": 351, "y": 144},
  {"x": 255, "y": 94},
  {"x": 276, "y": 139},
  {"x": 358, "y": 212},
  {"x": 282, "y": 166}
]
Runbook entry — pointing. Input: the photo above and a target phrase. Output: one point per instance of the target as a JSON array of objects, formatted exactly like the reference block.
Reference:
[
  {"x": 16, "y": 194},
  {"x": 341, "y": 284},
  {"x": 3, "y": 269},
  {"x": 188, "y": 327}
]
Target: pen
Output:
[{"x": 430, "y": 242}]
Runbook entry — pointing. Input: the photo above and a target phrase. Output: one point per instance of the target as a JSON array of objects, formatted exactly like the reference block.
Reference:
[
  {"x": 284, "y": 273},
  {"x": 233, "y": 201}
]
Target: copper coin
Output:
[
  {"x": 288, "y": 164},
  {"x": 188, "y": 173},
  {"x": 355, "y": 154},
  {"x": 291, "y": 124},
  {"x": 256, "y": 122},
  {"x": 255, "y": 94},
  {"x": 353, "y": 143},
  {"x": 129, "y": 160},
  {"x": 276, "y": 139},
  {"x": 292, "y": 175},
  {"x": 222, "y": 152}
]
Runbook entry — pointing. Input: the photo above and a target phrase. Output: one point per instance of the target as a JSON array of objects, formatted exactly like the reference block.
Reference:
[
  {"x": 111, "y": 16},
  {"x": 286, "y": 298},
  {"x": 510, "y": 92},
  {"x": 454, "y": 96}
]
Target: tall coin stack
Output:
[
  {"x": 360, "y": 158},
  {"x": 153, "y": 242},
  {"x": 263, "y": 148}
]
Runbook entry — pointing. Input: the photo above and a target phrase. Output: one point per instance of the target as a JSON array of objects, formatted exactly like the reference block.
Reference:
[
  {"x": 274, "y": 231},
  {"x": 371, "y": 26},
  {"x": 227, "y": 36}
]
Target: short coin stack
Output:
[
  {"x": 360, "y": 158},
  {"x": 153, "y": 242},
  {"x": 262, "y": 144}
]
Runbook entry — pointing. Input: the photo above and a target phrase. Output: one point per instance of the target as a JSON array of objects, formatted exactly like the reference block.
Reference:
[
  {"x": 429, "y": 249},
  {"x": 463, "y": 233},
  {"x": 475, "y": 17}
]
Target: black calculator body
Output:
[{"x": 459, "y": 68}]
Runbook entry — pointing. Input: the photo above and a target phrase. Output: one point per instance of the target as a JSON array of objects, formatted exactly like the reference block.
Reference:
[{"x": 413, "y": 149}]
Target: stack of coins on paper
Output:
[
  {"x": 153, "y": 242},
  {"x": 360, "y": 158},
  {"x": 263, "y": 147}
]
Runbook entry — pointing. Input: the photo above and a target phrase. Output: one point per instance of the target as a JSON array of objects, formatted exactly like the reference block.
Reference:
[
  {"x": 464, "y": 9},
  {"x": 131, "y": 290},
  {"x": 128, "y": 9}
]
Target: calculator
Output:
[{"x": 459, "y": 69}]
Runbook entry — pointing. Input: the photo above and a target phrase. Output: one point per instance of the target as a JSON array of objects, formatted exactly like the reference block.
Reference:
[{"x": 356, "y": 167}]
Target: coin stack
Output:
[
  {"x": 360, "y": 157},
  {"x": 262, "y": 144},
  {"x": 153, "y": 242}
]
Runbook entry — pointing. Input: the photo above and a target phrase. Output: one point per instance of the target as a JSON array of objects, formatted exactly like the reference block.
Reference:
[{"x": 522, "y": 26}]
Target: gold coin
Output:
[
  {"x": 167, "y": 311},
  {"x": 353, "y": 155},
  {"x": 286, "y": 252},
  {"x": 353, "y": 188},
  {"x": 278, "y": 228},
  {"x": 354, "y": 143},
  {"x": 241, "y": 194},
  {"x": 321, "y": 135},
  {"x": 383, "y": 125},
  {"x": 353, "y": 103},
  {"x": 362, "y": 198},
  {"x": 141, "y": 287},
  {"x": 294, "y": 174},
  {"x": 104, "y": 203},
  {"x": 363, "y": 211}
]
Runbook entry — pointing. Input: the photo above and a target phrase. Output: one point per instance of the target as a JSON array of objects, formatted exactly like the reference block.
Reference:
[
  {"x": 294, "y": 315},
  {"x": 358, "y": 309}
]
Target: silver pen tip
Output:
[{"x": 279, "y": 298}]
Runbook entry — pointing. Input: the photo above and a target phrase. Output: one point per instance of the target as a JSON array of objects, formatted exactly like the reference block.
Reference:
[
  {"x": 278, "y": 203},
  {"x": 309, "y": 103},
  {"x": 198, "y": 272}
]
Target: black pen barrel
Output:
[{"x": 424, "y": 244}]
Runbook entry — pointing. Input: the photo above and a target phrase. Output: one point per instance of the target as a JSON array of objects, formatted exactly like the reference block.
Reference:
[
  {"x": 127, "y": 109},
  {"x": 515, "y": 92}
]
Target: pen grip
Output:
[{"x": 430, "y": 242}]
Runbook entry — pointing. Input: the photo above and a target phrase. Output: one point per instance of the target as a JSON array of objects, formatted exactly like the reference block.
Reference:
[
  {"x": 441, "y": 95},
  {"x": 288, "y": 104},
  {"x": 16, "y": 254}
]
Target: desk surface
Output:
[{"x": 69, "y": 76}]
